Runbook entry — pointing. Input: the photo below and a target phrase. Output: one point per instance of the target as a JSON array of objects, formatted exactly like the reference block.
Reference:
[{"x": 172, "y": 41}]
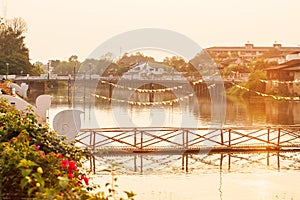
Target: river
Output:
[{"x": 242, "y": 176}]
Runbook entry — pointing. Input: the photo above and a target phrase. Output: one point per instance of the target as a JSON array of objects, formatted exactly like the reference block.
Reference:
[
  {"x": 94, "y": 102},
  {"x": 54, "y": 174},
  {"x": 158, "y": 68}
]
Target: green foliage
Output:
[
  {"x": 234, "y": 68},
  {"x": 13, "y": 122},
  {"x": 254, "y": 82},
  {"x": 36, "y": 163},
  {"x": 28, "y": 171},
  {"x": 66, "y": 67},
  {"x": 235, "y": 91},
  {"x": 260, "y": 64},
  {"x": 12, "y": 48}
]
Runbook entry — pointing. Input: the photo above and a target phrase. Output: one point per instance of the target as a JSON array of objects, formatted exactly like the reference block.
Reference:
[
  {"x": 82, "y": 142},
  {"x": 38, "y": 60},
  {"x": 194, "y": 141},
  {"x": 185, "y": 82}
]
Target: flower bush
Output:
[
  {"x": 36, "y": 163},
  {"x": 27, "y": 171}
]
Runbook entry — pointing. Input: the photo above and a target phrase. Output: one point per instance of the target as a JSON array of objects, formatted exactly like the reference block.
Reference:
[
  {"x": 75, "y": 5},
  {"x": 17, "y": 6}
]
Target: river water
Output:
[{"x": 241, "y": 176}]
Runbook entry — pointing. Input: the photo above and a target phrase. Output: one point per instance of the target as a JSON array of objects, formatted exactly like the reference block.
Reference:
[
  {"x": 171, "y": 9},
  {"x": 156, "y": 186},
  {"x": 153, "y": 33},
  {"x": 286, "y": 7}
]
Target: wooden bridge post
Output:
[
  {"x": 183, "y": 139},
  {"x": 278, "y": 138},
  {"x": 91, "y": 140},
  {"x": 134, "y": 139},
  {"x": 135, "y": 168},
  {"x": 221, "y": 161},
  {"x": 94, "y": 140},
  {"x": 222, "y": 138},
  {"x": 278, "y": 161},
  {"x": 268, "y": 158},
  {"x": 142, "y": 139},
  {"x": 268, "y": 138},
  {"x": 229, "y": 161},
  {"x": 182, "y": 162},
  {"x": 93, "y": 164},
  {"x": 187, "y": 139},
  {"x": 141, "y": 159},
  {"x": 229, "y": 137},
  {"x": 187, "y": 163}
]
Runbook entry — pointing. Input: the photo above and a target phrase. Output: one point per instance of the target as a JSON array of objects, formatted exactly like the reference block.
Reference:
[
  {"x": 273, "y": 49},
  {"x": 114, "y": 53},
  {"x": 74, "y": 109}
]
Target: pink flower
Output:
[{"x": 37, "y": 147}]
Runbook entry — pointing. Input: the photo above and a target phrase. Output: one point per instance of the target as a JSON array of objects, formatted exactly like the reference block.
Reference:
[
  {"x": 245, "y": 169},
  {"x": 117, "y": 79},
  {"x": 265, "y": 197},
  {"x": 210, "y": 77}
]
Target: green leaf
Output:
[
  {"x": 39, "y": 179},
  {"x": 24, "y": 182},
  {"x": 63, "y": 181},
  {"x": 26, "y": 163},
  {"x": 26, "y": 172},
  {"x": 30, "y": 190}
]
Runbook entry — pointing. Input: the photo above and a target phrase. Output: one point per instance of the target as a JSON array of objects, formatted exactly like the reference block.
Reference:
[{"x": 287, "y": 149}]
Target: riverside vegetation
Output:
[{"x": 36, "y": 163}]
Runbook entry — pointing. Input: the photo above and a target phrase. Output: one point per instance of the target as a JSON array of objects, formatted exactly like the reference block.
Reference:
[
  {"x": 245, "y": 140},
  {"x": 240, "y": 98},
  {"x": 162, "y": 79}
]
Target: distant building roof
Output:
[
  {"x": 289, "y": 65},
  {"x": 251, "y": 47}
]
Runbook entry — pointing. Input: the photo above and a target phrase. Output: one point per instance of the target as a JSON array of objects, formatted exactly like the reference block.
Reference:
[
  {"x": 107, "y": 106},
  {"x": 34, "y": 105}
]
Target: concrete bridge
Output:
[{"x": 44, "y": 84}]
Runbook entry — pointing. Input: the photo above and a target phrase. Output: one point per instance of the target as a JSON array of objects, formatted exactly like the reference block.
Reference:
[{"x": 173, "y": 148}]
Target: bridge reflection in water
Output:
[{"x": 191, "y": 145}]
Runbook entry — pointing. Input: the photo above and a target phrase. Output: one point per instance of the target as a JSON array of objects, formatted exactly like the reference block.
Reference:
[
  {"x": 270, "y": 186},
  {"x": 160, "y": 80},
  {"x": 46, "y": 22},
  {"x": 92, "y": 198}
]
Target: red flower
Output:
[
  {"x": 86, "y": 180},
  {"x": 70, "y": 175},
  {"x": 28, "y": 138},
  {"x": 72, "y": 166},
  {"x": 59, "y": 155},
  {"x": 64, "y": 163},
  {"x": 82, "y": 177}
]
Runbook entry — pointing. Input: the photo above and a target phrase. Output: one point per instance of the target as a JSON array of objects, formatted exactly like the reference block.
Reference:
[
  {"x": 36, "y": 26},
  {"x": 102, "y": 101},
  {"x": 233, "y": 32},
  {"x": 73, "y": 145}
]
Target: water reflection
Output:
[
  {"x": 198, "y": 164},
  {"x": 215, "y": 176},
  {"x": 239, "y": 112}
]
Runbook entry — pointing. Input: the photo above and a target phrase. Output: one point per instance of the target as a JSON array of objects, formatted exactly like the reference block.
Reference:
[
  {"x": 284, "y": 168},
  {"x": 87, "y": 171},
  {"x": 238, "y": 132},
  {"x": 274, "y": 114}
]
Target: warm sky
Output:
[{"x": 58, "y": 29}]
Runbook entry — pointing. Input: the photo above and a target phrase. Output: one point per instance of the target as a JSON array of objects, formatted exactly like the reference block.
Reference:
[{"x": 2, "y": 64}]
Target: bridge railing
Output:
[{"x": 166, "y": 138}]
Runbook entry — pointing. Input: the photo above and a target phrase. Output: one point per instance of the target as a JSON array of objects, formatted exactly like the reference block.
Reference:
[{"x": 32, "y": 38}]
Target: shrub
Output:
[{"x": 35, "y": 162}]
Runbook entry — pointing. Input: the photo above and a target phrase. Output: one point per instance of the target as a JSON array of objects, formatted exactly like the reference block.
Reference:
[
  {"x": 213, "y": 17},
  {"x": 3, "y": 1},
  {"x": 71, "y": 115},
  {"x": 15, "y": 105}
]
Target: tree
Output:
[
  {"x": 254, "y": 80},
  {"x": 129, "y": 60},
  {"x": 14, "y": 55},
  {"x": 66, "y": 67}
]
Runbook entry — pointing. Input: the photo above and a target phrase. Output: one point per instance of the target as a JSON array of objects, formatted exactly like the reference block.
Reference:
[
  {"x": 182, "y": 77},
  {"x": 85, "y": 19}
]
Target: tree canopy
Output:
[{"x": 14, "y": 55}]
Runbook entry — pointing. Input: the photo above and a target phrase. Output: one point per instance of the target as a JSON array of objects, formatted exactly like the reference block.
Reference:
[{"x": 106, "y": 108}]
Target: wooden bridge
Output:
[
  {"x": 185, "y": 141},
  {"x": 190, "y": 140}
]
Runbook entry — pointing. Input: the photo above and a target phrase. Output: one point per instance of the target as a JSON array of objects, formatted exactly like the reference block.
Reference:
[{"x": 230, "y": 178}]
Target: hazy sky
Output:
[{"x": 58, "y": 29}]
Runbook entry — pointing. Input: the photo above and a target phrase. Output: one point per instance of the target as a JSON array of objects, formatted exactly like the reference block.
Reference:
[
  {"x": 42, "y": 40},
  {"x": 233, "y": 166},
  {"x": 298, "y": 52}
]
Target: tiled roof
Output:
[
  {"x": 286, "y": 65},
  {"x": 254, "y": 48}
]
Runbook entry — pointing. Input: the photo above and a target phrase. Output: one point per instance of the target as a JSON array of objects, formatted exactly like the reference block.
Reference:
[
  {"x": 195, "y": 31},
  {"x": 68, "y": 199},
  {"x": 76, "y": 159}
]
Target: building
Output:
[
  {"x": 152, "y": 71},
  {"x": 293, "y": 56},
  {"x": 284, "y": 78},
  {"x": 251, "y": 51}
]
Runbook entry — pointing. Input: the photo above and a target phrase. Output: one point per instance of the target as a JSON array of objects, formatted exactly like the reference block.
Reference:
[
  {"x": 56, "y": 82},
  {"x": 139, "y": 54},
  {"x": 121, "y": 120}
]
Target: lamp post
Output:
[
  {"x": 7, "y": 65},
  {"x": 48, "y": 70}
]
